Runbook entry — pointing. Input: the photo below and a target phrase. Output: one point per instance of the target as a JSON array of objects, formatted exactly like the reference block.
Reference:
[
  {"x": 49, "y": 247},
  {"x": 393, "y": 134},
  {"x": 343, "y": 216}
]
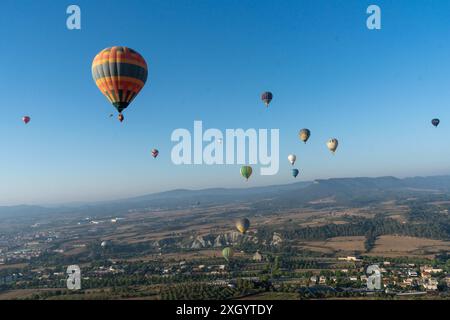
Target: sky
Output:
[{"x": 376, "y": 91}]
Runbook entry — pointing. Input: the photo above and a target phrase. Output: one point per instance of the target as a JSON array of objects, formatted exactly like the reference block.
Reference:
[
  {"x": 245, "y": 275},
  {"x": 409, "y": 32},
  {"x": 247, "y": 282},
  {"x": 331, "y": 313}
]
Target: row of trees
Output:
[
  {"x": 194, "y": 291},
  {"x": 364, "y": 227}
]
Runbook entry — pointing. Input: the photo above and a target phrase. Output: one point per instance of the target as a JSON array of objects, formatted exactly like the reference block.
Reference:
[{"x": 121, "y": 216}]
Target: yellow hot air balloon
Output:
[
  {"x": 304, "y": 135},
  {"x": 242, "y": 225}
]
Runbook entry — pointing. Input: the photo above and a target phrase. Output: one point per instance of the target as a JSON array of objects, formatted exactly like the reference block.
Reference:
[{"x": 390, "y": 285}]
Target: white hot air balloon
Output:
[
  {"x": 292, "y": 158},
  {"x": 332, "y": 145},
  {"x": 105, "y": 244}
]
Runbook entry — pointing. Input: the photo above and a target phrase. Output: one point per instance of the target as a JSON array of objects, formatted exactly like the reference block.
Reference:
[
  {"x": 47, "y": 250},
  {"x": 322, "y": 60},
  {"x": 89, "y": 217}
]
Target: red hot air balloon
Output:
[
  {"x": 26, "y": 119},
  {"x": 155, "y": 153}
]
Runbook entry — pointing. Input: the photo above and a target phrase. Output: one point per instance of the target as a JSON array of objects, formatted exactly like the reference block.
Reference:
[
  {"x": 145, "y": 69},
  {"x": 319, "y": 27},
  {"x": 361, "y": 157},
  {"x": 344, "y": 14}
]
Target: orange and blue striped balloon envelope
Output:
[{"x": 120, "y": 73}]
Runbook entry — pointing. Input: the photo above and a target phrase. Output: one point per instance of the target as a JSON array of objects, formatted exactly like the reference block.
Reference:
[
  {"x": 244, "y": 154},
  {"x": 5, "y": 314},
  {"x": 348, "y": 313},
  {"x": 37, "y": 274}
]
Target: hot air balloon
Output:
[
  {"x": 332, "y": 144},
  {"x": 105, "y": 244},
  {"x": 266, "y": 97},
  {"x": 26, "y": 119},
  {"x": 435, "y": 122},
  {"x": 246, "y": 171},
  {"x": 155, "y": 153},
  {"x": 242, "y": 225},
  {"x": 292, "y": 158},
  {"x": 295, "y": 173},
  {"x": 304, "y": 135},
  {"x": 120, "y": 73},
  {"x": 227, "y": 253}
]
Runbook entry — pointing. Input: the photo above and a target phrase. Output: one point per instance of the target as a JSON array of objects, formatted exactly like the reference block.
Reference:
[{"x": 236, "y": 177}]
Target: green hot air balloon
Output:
[
  {"x": 242, "y": 225},
  {"x": 227, "y": 253},
  {"x": 246, "y": 171}
]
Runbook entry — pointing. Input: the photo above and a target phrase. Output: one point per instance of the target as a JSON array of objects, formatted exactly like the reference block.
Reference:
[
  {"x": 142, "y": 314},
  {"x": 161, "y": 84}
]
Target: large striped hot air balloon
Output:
[{"x": 120, "y": 73}]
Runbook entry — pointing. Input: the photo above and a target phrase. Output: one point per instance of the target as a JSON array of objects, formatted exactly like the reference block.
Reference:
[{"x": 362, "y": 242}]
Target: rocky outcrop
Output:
[{"x": 276, "y": 240}]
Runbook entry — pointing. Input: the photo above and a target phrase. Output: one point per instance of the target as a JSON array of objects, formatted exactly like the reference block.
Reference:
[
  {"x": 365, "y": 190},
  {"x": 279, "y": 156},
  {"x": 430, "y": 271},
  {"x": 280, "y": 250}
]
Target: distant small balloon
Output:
[
  {"x": 435, "y": 122},
  {"x": 295, "y": 173},
  {"x": 155, "y": 153},
  {"x": 304, "y": 135},
  {"x": 332, "y": 145},
  {"x": 105, "y": 244},
  {"x": 26, "y": 119},
  {"x": 242, "y": 225},
  {"x": 246, "y": 171},
  {"x": 266, "y": 97},
  {"x": 227, "y": 253},
  {"x": 292, "y": 158}
]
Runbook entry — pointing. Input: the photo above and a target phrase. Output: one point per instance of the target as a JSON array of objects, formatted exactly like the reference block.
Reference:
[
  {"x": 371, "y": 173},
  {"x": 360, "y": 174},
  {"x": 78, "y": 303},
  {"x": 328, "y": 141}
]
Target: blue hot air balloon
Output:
[{"x": 295, "y": 173}]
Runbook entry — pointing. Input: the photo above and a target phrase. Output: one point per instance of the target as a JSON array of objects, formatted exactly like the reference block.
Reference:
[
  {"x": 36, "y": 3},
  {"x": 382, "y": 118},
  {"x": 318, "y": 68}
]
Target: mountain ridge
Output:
[{"x": 299, "y": 193}]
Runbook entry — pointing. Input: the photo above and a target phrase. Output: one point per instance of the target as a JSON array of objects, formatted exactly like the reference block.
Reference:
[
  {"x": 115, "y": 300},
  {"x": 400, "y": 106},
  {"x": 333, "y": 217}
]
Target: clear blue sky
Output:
[{"x": 376, "y": 91}]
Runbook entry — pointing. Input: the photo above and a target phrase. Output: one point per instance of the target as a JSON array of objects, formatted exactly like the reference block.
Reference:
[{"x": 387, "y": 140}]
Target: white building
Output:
[
  {"x": 412, "y": 273},
  {"x": 429, "y": 269},
  {"x": 257, "y": 257},
  {"x": 349, "y": 258},
  {"x": 430, "y": 284}
]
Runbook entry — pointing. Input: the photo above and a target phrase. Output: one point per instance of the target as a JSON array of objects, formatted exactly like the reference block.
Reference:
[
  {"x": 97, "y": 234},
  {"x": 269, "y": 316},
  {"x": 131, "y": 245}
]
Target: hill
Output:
[{"x": 339, "y": 191}]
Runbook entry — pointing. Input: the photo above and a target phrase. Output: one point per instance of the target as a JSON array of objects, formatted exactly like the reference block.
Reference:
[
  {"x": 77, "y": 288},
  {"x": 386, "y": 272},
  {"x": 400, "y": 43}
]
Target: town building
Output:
[{"x": 257, "y": 256}]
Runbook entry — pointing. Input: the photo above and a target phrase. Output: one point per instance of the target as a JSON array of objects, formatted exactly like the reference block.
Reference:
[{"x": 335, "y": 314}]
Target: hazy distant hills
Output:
[{"x": 340, "y": 191}]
